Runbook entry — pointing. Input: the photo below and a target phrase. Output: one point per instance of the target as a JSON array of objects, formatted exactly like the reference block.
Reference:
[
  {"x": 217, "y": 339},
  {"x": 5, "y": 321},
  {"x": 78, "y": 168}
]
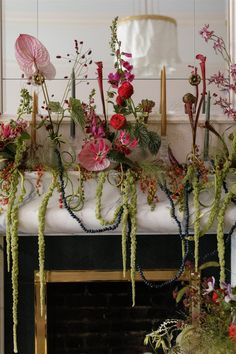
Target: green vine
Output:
[
  {"x": 124, "y": 221},
  {"x": 196, "y": 192},
  {"x": 220, "y": 234},
  {"x": 99, "y": 191},
  {"x": 12, "y": 231},
  {"x": 11, "y": 201},
  {"x": 133, "y": 233},
  {"x": 14, "y": 256},
  {"x": 41, "y": 241},
  {"x": 216, "y": 203}
]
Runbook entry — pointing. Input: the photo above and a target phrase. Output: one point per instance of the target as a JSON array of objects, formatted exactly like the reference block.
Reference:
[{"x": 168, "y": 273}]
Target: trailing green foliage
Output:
[
  {"x": 41, "y": 241},
  {"x": 77, "y": 112}
]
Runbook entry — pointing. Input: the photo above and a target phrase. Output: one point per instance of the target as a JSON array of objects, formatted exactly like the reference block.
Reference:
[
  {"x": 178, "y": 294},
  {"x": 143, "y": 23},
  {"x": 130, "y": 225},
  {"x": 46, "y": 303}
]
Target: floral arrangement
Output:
[
  {"x": 209, "y": 321},
  {"x": 209, "y": 325},
  {"x": 116, "y": 139},
  {"x": 110, "y": 143}
]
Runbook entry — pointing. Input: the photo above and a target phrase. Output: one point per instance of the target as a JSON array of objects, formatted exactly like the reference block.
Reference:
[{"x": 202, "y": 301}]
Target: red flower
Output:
[
  {"x": 232, "y": 331},
  {"x": 120, "y": 101},
  {"x": 217, "y": 296},
  {"x": 117, "y": 121},
  {"x": 126, "y": 90}
]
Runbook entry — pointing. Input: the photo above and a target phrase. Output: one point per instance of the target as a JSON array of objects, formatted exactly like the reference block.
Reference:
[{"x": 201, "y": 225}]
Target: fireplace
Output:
[
  {"x": 90, "y": 312},
  {"x": 72, "y": 261}
]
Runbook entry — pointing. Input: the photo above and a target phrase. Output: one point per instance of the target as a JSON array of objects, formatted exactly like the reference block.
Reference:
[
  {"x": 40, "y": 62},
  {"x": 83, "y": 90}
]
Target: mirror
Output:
[{"x": 58, "y": 22}]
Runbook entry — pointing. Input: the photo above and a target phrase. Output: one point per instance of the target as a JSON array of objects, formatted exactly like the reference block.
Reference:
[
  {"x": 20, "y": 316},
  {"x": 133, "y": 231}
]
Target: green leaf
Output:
[
  {"x": 154, "y": 142},
  {"x": 181, "y": 294},
  {"x": 25, "y": 136},
  {"x": 4, "y": 155},
  {"x": 55, "y": 107},
  {"x": 151, "y": 168},
  {"x": 209, "y": 265},
  {"x": 11, "y": 148},
  {"x": 119, "y": 157},
  {"x": 41, "y": 123},
  {"x": 77, "y": 112},
  {"x": 141, "y": 133}
]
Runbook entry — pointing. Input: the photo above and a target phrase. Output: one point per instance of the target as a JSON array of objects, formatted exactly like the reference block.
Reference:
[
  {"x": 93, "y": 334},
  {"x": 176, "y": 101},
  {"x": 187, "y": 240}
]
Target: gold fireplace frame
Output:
[{"x": 75, "y": 276}]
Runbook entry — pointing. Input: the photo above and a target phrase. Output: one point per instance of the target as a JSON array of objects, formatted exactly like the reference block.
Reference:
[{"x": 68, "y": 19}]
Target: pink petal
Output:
[
  {"x": 88, "y": 153},
  {"x": 48, "y": 71},
  {"x": 99, "y": 166},
  {"x": 30, "y": 51}
]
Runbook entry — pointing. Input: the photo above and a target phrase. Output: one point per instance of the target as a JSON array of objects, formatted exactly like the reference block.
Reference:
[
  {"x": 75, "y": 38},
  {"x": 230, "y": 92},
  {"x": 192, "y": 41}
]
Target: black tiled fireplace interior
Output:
[
  {"x": 91, "y": 252},
  {"x": 97, "y": 317}
]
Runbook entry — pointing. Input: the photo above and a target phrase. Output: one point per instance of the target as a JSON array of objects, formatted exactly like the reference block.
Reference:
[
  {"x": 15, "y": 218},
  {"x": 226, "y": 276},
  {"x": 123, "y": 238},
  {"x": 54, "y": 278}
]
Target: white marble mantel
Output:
[{"x": 59, "y": 222}]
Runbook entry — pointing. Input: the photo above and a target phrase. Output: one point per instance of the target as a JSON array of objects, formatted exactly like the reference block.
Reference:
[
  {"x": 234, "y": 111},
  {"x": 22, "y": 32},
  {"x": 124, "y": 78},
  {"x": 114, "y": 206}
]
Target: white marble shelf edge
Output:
[{"x": 59, "y": 222}]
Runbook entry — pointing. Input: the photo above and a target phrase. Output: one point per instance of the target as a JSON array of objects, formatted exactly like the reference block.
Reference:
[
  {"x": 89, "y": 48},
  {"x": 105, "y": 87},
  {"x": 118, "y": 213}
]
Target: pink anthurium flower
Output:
[
  {"x": 93, "y": 155},
  {"x": 33, "y": 57}
]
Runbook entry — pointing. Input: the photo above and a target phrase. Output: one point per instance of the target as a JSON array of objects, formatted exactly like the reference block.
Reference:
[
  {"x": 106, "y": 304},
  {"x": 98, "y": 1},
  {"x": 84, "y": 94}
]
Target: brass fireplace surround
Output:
[{"x": 84, "y": 276}]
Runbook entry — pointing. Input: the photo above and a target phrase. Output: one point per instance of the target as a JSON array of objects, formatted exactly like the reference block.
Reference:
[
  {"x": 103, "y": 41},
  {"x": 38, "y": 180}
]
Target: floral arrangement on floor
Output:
[
  {"x": 209, "y": 326},
  {"x": 110, "y": 143}
]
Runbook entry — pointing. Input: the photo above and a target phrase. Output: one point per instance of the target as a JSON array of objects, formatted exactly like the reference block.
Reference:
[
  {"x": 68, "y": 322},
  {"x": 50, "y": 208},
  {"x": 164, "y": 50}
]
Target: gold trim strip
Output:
[
  {"x": 40, "y": 322},
  {"x": 148, "y": 17},
  {"x": 74, "y": 276}
]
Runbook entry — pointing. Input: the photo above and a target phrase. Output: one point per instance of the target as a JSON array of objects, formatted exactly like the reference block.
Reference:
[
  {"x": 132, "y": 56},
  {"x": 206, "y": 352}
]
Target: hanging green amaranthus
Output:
[
  {"x": 12, "y": 220},
  {"x": 99, "y": 191},
  {"x": 133, "y": 232},
  {"x": 41, "y": 241}
]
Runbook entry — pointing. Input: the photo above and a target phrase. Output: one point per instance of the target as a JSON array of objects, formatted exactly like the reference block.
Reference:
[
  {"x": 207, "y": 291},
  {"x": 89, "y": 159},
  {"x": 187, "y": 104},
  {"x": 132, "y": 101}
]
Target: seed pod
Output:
[
  {"x": 38, "y": 79},
  {"x": 194, "y": 79},
  {"x": 189, "y": 98}
]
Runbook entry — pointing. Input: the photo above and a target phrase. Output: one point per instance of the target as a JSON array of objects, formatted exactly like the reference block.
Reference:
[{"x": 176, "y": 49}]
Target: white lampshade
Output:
[{"x": 152, "y": 40}]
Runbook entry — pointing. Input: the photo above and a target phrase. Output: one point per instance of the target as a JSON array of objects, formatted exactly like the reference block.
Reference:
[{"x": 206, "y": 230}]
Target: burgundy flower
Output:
[
  {"x": 114, "y": 79},
  {"x": 127, "y": 55},
  {"x": 128, "y": 76},
  {"x": 202, "y": 59},
  {"x": 233, "y": 71},
  {"x": 217, "y": 79},
  {"x": 117, "y": 121},
  {"x": 124, "y": 143},
  {"x": 205, "y": 33},
  {"x": 126, "y": 90},
  {"x": 218, "y": 45},
  {"x": 127, "y": 65}
]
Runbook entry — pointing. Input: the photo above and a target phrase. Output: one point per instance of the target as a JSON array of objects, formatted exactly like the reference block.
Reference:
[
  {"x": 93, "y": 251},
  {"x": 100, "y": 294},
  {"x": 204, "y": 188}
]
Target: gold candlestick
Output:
[
  {"x": 34, "y": 119},
  {"x": 161, "y": 91},
  {"x": 163, "y": 102}
]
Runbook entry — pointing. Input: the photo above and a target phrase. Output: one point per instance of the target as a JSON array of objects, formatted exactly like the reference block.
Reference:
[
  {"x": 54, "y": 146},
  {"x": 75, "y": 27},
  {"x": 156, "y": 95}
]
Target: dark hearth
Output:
[{"x": 97, "y": 318}]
